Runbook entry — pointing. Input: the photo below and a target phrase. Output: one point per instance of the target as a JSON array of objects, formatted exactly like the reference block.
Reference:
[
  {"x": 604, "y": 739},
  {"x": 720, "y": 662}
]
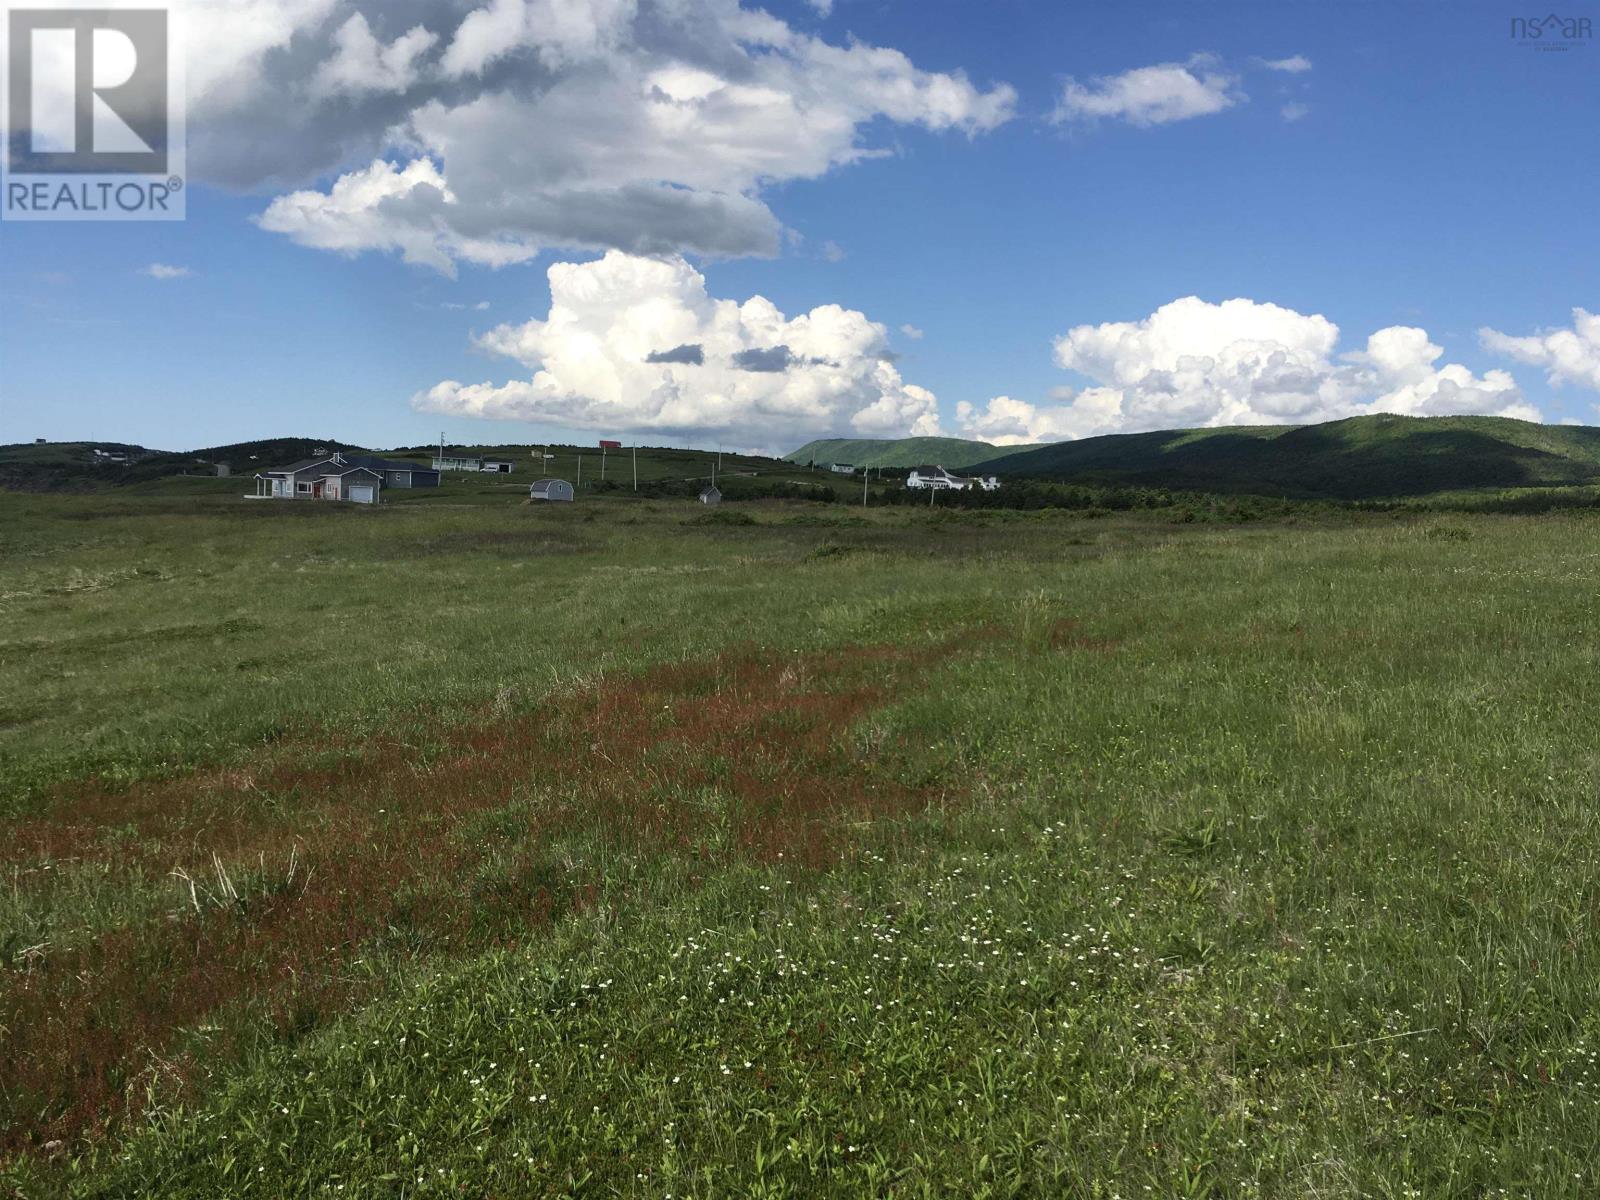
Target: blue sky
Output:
[{"x": 1435, "y": 176}]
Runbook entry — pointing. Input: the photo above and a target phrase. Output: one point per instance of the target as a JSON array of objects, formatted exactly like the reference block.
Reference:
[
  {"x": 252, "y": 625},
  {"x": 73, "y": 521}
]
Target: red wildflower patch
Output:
[{"x": 289, "y": 873}]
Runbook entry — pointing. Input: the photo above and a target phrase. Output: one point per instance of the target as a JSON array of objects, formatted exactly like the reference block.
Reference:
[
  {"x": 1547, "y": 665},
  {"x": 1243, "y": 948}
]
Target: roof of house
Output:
[
  {"x": 303, "y": 465},
  {"x": 311, "y": 467},
  {"x": 386, "y": 464},
  {"x": 711, "y": 490},
  {"x": 369, "y": 462}
]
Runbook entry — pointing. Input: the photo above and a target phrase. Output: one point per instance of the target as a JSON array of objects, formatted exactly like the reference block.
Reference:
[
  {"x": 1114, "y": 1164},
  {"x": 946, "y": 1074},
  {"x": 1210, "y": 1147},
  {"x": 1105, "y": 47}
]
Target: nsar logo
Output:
[{"x": 1552, "y": 31}]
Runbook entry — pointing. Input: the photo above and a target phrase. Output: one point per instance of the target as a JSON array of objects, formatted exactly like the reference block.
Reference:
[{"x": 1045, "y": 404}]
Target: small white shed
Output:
[
  {"x": 551, "y": 489},
  {"x": 711, "y": 495}
]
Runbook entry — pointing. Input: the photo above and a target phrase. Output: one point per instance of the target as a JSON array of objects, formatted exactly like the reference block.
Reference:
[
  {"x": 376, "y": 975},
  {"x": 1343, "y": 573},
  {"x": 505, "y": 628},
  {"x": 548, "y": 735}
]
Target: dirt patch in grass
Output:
[
  {"x": 137, "y": 639},
  {"x": 539, "y": 539},
  {"x": 1067, "y": 634},
  {"x": 289, "y": 870}
]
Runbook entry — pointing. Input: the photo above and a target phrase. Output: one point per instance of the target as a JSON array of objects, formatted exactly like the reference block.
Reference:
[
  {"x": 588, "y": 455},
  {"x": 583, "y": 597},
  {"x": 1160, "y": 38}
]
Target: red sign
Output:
[{"x": 607, "y": 445}]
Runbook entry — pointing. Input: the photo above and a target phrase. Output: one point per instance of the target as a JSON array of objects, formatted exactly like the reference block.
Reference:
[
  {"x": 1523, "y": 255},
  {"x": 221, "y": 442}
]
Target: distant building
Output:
[
  {"x": 841, "y": 468},
  {"x": 938, "y": 479},
  {"x": 112, "y": 456},
  {"x": 397, "y": 474},
  {"x": 332, "y": 478},
  {"x": 710, "y": 495},
  {"x": 609, "y": 444},
  {"x": 442, "y": 462},
  {"x": 41, "y": 441},
  {"x": 551, "y": 489},
  {"x": 495, "y": 466}
]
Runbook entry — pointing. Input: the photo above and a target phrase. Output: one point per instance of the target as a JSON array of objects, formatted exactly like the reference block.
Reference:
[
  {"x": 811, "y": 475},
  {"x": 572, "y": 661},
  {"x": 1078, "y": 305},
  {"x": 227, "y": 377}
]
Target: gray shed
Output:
[
  {"x": 551, "y": 489},
  {"x": 711, "y": 495}
]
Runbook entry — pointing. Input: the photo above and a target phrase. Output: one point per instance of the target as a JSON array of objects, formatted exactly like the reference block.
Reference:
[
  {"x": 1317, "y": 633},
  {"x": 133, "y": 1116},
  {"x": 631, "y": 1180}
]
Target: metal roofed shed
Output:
[
  {"x": 551, "y": 489},
  {"x": 711, "y": 495}
]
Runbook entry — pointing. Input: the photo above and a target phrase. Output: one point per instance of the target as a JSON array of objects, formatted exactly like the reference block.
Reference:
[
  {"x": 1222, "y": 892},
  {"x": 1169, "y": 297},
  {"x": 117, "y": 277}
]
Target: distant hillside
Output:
[
  {"x": 74, "y": 466},
  {"x": 1362, "y": 458},
  {"x": 954, "y": 453},
  {"x": 49, "y": 466},
  {"x": 1356, "y": 459}
]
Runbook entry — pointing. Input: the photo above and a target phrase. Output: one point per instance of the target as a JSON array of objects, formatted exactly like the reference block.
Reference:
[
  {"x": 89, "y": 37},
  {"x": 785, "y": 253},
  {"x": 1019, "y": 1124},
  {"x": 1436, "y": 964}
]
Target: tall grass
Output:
[{"x": 1007, "y": 855}]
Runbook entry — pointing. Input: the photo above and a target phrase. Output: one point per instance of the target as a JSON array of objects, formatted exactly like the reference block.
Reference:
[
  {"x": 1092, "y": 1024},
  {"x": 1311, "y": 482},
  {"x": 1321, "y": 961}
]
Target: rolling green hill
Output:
[
  {"x": 56, "y": 466},
  {"x": 1355, "y": 459},
  {"x": 1362, "y": 458},
  {"x": 73, "y": 467},
  {"x": 954, "y": 453}
]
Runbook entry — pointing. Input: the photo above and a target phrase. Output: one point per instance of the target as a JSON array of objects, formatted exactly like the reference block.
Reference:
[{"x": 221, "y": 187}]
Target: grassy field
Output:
[{"x": 625, "y": 848}]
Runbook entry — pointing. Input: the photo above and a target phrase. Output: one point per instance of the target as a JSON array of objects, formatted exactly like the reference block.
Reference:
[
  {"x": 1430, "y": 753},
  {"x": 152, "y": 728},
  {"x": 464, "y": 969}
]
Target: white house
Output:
[
  {"x": 937, "y": 478},
  {"x": 841, "y": 468},
  {"x": 940, "y": 479}
]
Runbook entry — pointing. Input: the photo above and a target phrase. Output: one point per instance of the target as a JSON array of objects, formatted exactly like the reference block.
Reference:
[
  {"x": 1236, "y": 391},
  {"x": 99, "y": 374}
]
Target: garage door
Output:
[{"x": 362, "y": 493}]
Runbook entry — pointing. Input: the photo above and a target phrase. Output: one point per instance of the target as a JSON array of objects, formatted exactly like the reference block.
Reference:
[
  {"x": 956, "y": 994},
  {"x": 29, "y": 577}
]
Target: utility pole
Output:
[
  {"x": 602, "y": 464},
  {"x": 579, "y": 484},
  {"x": 866, "y": 473},
  {"x": 636, "y": 467}
]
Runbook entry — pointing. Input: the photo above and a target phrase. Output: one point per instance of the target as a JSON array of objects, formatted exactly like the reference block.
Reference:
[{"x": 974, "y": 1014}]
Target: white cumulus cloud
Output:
[
  {"x": 650, "y": 126},
  {"x": 363, "y": 64},
  {"x": 1295, "y": 64},
  {"x": 1152, "y": 95},
  {"x": 1008, "y": 422},
  {"x": 635, "y": 344},
  {"x": 166, "y": 271},
  {"x": 1567, "y": 355},
  {"x": 1194, "y": 363},
  {"x": 383, "y": 207}
]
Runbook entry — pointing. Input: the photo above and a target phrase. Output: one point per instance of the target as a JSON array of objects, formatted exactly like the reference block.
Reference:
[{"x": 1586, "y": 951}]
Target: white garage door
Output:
[{"x": 362, "y": 493}]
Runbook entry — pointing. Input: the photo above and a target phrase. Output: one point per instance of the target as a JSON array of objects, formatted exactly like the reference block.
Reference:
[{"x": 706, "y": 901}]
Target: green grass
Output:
[{"x": 826, "y": 853}]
